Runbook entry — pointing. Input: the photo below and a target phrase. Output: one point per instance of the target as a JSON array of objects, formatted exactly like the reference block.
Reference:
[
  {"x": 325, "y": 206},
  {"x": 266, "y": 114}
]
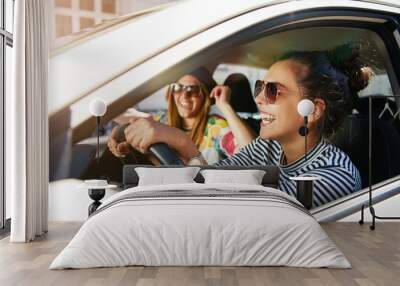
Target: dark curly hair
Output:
[{"x": 335, "y": 76}]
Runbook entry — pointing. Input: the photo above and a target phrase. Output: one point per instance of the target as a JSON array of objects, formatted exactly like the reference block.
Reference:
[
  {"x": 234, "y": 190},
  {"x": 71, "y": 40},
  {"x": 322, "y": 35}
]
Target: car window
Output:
[
  {"x": 261, "y": 53},
  {"x": 223, "y": 70},
  {"x": 252, "y": 59},
  {"x": 154, "y": 103},
  {"x": 378, "y": 85},
  {"x": 255, "y": 57}
]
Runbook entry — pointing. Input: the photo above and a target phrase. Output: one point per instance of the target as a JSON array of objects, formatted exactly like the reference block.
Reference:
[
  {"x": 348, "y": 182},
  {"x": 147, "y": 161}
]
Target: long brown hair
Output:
[{"x": 175, "y": 120}]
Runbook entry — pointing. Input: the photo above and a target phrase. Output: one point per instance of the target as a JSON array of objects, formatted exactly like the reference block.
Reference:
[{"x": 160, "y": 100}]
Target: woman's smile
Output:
[
  {"x": 185, "y": 104},
  {"x": 189, "y": 104},
  {"x": 266, "y": 118},
  {"x": 280, "y": 120}
]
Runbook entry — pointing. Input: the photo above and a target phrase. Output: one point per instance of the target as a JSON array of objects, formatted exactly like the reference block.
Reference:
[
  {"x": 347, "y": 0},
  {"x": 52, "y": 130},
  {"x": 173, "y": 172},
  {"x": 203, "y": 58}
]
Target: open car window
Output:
[
  {"x": 352, "y": 136},
  {"x": 223, "y": 70},
  {"x": 253, "y": 58},
  {"x": 252, "y": 55},
  {"x": 154, "y": 103}
]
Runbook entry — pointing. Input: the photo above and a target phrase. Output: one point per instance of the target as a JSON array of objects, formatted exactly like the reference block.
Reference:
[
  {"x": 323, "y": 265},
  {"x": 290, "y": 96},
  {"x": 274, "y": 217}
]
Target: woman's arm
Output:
[
  {"x": 242, "y": 133},
  {"x": 116, "y": 141},
  {"x": 124, "y": 117},
  {"x": 141, "y": 133},
  {"x": 335, "y": 183}
]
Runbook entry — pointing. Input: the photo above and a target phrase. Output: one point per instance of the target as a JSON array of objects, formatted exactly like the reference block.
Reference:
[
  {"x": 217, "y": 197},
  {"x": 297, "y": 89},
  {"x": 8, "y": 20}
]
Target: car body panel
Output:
[{"x": 113, "y": 66}]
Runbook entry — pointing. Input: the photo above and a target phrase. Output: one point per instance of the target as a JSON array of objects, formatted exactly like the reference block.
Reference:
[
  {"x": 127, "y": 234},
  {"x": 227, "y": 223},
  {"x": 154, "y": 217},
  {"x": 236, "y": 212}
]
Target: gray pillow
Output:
[
  {"x": 247, "y": 177},
  {"x": 163, "y": 176}
]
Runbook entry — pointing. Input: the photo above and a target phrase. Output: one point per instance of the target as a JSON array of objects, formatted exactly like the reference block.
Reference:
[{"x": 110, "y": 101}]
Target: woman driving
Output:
[
  {"x": 189, "y": 103},
  {"x": 330, "y": 80}
]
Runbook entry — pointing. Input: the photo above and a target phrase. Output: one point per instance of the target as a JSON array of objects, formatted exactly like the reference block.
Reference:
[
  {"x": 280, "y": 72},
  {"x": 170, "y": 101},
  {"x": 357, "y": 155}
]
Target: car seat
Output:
[
  {"x": 353, "y": 137},
  {"x": 242, "y": 98}
]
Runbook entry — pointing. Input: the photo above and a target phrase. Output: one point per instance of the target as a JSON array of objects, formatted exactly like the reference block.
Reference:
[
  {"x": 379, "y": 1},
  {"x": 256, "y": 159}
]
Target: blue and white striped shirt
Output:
[{"x": 339, "y": 175}]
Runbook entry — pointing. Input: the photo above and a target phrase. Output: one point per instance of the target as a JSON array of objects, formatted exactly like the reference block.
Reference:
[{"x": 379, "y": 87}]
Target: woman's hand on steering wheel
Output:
[
  {"x": 142, "y": 132},
  {"x": 117, "y": 145}
]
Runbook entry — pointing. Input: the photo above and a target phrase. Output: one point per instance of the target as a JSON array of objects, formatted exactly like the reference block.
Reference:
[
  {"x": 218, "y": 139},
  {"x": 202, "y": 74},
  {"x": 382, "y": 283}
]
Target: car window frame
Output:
[
  {"x": 279, "y": 24},
  {"x": 354, "y": 17},
  {"x": 272, "y": 26},
  {"x": 309, "y": 18}
]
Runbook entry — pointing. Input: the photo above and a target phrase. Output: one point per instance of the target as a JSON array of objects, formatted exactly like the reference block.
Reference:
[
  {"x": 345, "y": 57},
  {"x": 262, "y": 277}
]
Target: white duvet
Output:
[{"x": 184, "y": 230}]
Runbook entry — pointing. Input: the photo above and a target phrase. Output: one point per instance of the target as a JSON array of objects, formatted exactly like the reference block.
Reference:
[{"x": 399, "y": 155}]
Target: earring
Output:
[{"x": 303, "y": 131}]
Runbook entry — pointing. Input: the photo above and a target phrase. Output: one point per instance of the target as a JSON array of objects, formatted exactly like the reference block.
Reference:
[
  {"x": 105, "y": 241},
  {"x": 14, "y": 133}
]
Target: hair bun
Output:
[
  {"x": 347, "y": 59},
  {"x": 358, "y": 80}
]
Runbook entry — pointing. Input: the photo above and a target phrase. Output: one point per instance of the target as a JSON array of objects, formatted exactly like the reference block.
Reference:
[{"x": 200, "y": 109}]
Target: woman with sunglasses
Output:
[
  {"x": 331, "y": 80},
  {"x": 189, "y": 103}
]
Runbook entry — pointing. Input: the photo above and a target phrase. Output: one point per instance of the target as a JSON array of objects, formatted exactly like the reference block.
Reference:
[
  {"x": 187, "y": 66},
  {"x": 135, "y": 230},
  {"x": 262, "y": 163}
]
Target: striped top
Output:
[{"x": 339, "y": 175}]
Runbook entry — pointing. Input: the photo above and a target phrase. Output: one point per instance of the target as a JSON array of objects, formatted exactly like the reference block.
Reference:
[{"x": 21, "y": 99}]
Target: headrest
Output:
[{"x": 242, "y": 96}]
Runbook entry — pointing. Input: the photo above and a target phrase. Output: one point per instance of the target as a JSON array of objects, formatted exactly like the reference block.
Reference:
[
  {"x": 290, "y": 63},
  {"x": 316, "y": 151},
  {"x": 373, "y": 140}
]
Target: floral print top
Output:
[{"x": 218, "y": 142}]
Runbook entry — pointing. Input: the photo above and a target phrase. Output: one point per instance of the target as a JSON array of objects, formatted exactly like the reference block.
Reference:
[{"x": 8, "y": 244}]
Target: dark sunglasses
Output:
[
  {"x": 269, "y": 90},
  {"x": 190, "y": 89}
]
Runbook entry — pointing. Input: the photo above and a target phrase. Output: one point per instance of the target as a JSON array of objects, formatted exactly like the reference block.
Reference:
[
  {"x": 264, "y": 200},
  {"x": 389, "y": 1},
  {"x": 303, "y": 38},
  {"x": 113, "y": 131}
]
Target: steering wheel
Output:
[{"x": 163, "y": 153}]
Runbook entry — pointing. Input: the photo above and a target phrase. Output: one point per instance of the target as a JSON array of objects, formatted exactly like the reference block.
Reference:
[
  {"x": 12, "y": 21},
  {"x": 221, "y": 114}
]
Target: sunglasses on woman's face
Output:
[
  {"x": 190, "y": 89},
  {"x": 269, "y": 90}
]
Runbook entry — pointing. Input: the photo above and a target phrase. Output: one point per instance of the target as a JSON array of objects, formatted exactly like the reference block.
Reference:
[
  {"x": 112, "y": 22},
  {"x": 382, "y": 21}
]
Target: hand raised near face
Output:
[{"x": 222, "y": 95}]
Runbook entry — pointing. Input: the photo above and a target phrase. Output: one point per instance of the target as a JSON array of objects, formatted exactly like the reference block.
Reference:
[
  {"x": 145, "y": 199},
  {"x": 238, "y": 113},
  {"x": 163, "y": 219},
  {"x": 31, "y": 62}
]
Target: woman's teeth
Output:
[
  {"x": 267, "y": 118},
  {"x": 185, "y": 104}
]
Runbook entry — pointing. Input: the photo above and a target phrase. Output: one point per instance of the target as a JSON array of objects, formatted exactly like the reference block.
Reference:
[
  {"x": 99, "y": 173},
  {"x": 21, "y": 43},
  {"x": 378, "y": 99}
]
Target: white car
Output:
[{"x": 127, "y": 60}]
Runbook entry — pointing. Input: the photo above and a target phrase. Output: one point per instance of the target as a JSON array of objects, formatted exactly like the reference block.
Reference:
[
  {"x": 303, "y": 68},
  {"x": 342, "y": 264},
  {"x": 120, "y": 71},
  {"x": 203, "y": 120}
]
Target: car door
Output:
[{"x": 215, "y": 41}]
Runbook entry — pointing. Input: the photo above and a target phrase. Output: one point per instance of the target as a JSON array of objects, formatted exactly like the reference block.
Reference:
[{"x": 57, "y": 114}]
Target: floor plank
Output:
[{"x": 374, "y": 255}]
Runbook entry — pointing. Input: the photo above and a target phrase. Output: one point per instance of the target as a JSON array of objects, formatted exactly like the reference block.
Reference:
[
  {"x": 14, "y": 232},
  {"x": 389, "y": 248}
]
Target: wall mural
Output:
[{"x": 237, "y": 110}]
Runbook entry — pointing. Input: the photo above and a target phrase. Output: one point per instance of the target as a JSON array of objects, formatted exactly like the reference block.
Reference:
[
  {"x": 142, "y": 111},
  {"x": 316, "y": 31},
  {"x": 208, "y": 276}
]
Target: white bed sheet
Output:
[{"x": 190, "y": 231}]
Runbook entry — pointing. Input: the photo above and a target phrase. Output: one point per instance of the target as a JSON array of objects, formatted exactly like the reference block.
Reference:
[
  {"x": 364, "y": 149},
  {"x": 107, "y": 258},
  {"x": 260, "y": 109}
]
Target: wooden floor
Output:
[{"x": 374, "y": 255}]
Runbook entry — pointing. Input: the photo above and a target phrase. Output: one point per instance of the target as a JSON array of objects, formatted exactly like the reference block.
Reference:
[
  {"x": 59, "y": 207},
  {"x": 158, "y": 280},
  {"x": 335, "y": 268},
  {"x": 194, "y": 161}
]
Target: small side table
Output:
[
  {"x": 304, "y": 188},
  {"x": 96, "y": 193}
]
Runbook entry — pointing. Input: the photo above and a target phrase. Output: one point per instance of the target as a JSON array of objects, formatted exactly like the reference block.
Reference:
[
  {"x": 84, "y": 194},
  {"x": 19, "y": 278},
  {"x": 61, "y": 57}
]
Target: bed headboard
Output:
[{"x": 130, "y": 178}]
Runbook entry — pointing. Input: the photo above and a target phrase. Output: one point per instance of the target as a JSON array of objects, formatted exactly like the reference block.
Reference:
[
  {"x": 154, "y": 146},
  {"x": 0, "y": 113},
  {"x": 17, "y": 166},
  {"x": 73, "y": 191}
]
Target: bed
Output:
[{"x": 201, "y": 224}]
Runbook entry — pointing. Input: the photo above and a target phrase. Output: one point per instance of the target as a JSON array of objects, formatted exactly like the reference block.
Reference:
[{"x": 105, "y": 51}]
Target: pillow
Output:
[
  {"x": 162, "y": 176},
  {"x": 248, "y": 177}
]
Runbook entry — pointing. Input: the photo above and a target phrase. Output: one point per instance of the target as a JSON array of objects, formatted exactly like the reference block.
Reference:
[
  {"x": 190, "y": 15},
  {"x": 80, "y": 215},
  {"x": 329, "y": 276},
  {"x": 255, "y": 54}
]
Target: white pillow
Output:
[
  {"x": 248, "y": 177},
  {"x": 163, "y": 176}
]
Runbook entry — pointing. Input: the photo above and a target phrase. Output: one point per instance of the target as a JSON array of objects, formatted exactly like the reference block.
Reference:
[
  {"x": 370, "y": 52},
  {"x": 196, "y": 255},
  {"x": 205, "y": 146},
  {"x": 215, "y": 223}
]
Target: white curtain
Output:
[{"x": 27, "y": 123}]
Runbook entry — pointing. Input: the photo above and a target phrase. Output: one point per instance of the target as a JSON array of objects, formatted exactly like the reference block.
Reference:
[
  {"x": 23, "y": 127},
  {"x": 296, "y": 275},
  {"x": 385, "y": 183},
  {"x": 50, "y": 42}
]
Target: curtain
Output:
[{"x": 27, "y": 123}]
